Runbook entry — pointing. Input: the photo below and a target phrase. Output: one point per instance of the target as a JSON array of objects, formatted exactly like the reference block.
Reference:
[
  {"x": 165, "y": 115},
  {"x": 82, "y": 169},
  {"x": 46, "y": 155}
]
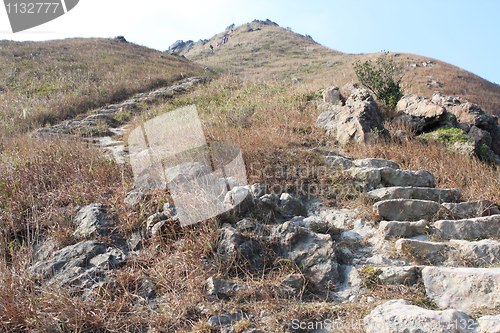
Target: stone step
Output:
[
  {"x": 471, "y": 209},
  {"x": 421, "y": 193},
  {"x": 474, "y": 228},
  {"x": 408, "y": 209},
  {"x": 389, "y": 177},
  {"x": 420, "y": 250},
  {"x": 396, "y": 229},
  {"x": 401, "y": 316},
  {"x": 462, "y": 288}
]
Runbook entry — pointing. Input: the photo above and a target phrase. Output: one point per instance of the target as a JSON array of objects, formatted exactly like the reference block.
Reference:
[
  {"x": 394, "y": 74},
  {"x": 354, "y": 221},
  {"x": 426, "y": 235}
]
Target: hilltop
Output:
[{"x": 262, "y": 50}]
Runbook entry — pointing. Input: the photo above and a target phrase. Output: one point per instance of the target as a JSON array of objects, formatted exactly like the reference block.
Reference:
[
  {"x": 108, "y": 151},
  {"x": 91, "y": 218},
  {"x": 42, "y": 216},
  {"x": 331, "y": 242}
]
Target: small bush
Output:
[
  {"x": 447, "y": 135},
  {"x": 383, "y": 79}
]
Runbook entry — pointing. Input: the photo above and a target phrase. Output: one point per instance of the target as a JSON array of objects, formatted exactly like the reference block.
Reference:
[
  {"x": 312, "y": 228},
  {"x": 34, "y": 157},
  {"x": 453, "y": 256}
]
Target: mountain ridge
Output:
[{"x": 262, "y": 50}]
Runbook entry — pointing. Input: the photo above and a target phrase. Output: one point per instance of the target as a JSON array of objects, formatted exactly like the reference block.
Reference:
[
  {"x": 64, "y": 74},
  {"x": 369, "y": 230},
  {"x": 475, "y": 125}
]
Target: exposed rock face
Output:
[
  {"x": 401, "y": 316},
  {"x": 419, "y": 113},
  {"x": 388, "y": 177},
  {"x": 462, "y": 288},
  {"x": 420, "y": 249},
  {"x": 481, "y": 253},
  {"x": 359, "y": 121},
  {"x": 391, "y": 229},
  {"x": 80, "y": 265}
]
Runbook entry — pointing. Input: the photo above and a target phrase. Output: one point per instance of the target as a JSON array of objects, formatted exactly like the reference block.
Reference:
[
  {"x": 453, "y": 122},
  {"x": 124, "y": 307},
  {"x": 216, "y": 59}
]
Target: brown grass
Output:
[{"x": 45, "y": 82}]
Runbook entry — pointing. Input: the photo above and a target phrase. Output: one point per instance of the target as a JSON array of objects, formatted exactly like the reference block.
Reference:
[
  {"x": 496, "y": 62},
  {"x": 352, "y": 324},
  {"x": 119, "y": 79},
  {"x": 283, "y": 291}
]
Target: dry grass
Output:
[
  {"x": 45, "y": 82},
  {"x": 42, "y": 182}
]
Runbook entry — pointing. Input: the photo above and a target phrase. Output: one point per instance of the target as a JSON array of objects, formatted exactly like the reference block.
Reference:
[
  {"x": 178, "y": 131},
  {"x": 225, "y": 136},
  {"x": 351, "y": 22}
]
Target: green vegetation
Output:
[
  {"x": 447, "y": 135},
  {"x": 383, "y": 79}
]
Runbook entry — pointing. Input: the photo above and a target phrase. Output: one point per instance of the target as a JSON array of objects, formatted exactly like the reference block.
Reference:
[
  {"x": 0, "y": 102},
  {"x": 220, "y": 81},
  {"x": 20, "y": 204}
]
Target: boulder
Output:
[
  {"x": 338, "y": 162},
  {"x": 359, "y": 121},
  {"x": 291, "y": 206},
  {"x": 332, "y": 95},
  {"x": 480, "y": 137},
  {"x": 407, "y": 209},
  {"x": 479, "y": 227},
  {"x": 421, "y": 193},
  {"x": 471, "y": 209},
  {"x": 315, "y": 253},
  {"x": 92, "y": 220},
  {"x": 419, "y": 113},
  {"x": 233, "y": 246},
  {"x": 462, "y": 288},
  {"x": 393, "y": 229},
  {"x": 401, "y": 316},
  {"x": 222, "y": 288}
]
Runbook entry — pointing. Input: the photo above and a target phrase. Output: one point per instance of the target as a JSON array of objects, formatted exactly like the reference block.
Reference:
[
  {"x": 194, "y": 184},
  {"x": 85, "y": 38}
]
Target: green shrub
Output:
[
  {"x": 447, "y": 135},
  {"x": 383, "y": 79}
]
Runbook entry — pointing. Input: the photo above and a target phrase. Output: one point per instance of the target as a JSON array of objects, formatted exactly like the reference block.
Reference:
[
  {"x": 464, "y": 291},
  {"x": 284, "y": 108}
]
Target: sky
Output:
[{"x": 464, "y": 33}]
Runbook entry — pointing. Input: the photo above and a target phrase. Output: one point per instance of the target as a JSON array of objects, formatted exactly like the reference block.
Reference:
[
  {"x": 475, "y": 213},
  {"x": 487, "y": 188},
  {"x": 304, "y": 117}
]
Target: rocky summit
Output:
[{"x": 239, "y": 192}]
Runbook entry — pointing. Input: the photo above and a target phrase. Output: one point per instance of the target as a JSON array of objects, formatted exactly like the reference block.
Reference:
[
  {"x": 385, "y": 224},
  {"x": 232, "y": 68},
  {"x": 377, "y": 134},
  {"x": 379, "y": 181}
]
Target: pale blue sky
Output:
[{"x": 463, "y": 33}]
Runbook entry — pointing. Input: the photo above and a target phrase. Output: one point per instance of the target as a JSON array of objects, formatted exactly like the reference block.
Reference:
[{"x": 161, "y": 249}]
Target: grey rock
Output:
[
  {"x": 258, "y": 190},
  {"x": 239, "y": 200},
  {"x": 489, "y": 324},
  {"x": 233, "y": 246},
  {"x": 419, "y": 113},
  {"x": 421, "y": 178},
  {"x": 421, "y": 193},
  {"x": 295, "y": 282},
  {"x": 479, "y": 227},
  {"x": 222, "y": 288},
  {"x": 316, "y": 253},
  {"x": 407, "y": 209},
  {"x": 462, "y": 288},
  {"x": 359, "y": 121},
  {"x": 368, "y": 176},
  {"x": 338, "y": 162},
  {"x": 480, "y": 137},
  {"x": 392, "y": 229},
  {"x": 92, "y": 220},
  {"x": 401, "y": 316},
  {"x": 332, "y": 95},
  {"x": 472, "y": 209},
  {"x": 407, "y": 275},
  {"x": 185, "y": 172},
  {"x": 375, "y": 163},
  {"x": 420, "y": 249},
  {"x": 292, "y": 206},
  {"x": 481, "y": 253}
]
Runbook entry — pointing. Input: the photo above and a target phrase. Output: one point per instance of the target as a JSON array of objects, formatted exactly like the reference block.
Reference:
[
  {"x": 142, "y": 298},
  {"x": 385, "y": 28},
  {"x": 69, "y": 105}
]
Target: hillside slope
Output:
[
  {"x": 262, "y": 50},
  {"x": 44, "y": 82}
]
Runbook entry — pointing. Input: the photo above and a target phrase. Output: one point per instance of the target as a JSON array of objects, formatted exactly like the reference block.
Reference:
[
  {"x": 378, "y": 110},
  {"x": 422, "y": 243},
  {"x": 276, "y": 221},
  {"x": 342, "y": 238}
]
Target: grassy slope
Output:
[
  {"x": 275, "y": 53},
  {"x": 41, "y": 183},
  {"x": 45, "y": 82}
]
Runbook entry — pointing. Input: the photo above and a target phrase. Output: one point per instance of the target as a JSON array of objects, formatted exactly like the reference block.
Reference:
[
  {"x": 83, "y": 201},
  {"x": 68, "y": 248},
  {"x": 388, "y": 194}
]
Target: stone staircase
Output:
[{"x": 426, "y": 235}]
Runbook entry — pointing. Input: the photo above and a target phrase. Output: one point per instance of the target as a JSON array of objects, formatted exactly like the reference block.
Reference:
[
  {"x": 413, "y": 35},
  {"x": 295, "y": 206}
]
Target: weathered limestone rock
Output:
[
  {"x": 222, "y": 288},
  {"x": 407, "y": 275},
  {"x": 291, "y": 206},
  {"x": 391, "y": 229},
  {"x": 471, "y": 209},
  {"x": 92, "y": 220},
  {"x": 419, "y": 249},
  {"x": 482, "y": 253},
  {"x": 489, "y": 324},
  {"x": 479, "y": 227},
  {"x": 421, "y": 178},
  {"x": 332, "y": 95},
  {"x": 316, "y": 253},
  {"x": 421, "y": 193},
  {"x": 419, "y": 113},
  {"x": 359, "y": 121},
  {"x": 375, "y": 163},
  {"x": 462, "y": 288},
  {"x": 401, "y": 316},
  {"x": 407, "y": 209}
]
